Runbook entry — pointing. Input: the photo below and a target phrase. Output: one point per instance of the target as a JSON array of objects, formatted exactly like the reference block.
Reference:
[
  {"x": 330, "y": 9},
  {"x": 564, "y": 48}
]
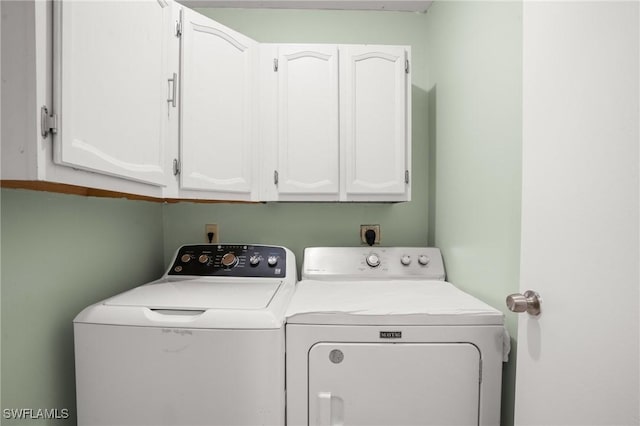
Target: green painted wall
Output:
[
  {"x": 61, "y": 253},
  {"x": 475, "y": 119}
]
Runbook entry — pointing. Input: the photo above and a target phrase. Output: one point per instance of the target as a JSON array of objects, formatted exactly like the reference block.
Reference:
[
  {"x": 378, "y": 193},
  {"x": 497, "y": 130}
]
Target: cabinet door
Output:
[
  {"x": 375, "y": 119},
  {"x": 216, "y": 108},
  {"x": 110, "y": 87},
  {"x": 308, "y": 132}
]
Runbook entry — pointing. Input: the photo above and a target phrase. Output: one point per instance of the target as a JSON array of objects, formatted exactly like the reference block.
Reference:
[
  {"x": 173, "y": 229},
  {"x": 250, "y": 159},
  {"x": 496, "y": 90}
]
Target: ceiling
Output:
[{"x": 393, "y": 5}]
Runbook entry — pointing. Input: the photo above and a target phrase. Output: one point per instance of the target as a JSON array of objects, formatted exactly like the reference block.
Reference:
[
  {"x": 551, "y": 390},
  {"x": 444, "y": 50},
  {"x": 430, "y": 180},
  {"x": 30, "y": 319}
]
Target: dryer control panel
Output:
[
  {"x": 384, "y": 263},
  {"x": 230, "y": 260}
]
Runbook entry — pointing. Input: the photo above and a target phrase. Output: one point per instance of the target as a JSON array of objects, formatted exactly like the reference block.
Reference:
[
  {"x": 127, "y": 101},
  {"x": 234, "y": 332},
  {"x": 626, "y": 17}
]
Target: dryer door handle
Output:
[{"x": 330, "y": 410}]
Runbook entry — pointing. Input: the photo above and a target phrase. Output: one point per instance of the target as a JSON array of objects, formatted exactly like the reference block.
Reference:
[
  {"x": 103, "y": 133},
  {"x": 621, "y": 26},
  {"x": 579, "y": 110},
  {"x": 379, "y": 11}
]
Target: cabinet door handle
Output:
[{"x": 173, "y": 87}]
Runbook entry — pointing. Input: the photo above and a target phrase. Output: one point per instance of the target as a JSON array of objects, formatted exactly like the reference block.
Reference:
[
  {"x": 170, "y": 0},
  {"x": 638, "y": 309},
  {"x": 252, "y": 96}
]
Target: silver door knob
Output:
[{"x": 528, "y": 302}]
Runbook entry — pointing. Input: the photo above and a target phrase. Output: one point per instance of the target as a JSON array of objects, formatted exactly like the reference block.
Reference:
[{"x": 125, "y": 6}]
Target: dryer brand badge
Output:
[{"x": 391, "y": 334}]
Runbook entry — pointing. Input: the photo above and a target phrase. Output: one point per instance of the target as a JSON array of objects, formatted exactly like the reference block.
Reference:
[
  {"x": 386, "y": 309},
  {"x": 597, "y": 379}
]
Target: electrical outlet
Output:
[
  {"x": 211, "y": 227},
  {"x": 365, "y": 228}
]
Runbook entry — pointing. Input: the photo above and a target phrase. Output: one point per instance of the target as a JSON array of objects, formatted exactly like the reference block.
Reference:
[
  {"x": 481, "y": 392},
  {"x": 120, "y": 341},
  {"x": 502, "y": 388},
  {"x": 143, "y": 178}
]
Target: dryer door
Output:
[{"x": 394, "y": 384}]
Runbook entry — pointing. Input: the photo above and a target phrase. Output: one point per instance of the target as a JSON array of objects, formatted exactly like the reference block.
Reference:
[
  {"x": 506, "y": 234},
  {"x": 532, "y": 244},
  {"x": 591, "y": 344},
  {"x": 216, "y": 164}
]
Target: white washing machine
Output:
[
  {"x": 203, "y": 345},
  {"x": 377, "y": 337}
]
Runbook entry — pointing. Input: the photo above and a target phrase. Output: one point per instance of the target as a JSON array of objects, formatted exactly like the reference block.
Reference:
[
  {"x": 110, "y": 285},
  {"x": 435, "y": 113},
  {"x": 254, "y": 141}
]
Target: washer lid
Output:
[
  {"x": 200, "y": 295},
  {"x": 400, "y": 302}
]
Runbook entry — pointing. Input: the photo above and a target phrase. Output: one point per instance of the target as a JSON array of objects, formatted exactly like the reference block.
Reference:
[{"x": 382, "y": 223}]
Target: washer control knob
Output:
[
  {"x": 185, "y": 258},
  {"x": 423, "y": 260},
  {"x": 254, "y": 260},
  {"x": 229, "y": 260},
  {"x": 272, "y": 260},
  {"x": 405, "y": 260},
  {"x": 373, "y": 260},
  {"x": 203, "y": 258}
]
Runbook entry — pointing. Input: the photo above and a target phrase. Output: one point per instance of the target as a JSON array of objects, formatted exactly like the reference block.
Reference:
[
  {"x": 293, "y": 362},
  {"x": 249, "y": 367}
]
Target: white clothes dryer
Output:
[
  {"x": 375, "y": 336},
  {"x": 203, "y": 345}
]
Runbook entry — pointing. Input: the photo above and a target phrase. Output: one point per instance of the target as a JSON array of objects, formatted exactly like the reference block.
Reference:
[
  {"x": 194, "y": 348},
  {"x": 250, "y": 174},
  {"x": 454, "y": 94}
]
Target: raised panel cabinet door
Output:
[
  {"x": 216, "y": 106},
  {"x": 375, "y": 119},
  {"x": 308, "y": 113},
  {"x": 110, "y": 87}
]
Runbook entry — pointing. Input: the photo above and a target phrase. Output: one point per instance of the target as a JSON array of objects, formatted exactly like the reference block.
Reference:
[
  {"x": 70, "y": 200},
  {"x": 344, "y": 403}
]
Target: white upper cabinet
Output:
[
  {"x": 375, "y": 88},
  {"x": 307, "y": 123},
  {"x": 151, "y": 98},
  {"x": 110, "y": 87},
  {"x": 335, "y": 122},
  {"x": 217, "y": 128}
]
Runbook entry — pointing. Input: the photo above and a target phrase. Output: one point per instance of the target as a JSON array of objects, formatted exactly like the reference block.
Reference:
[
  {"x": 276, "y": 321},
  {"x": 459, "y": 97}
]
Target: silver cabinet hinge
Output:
[
  {"x": 48, "y": 123},
  {"x": 275, "y": 64},
  {"x": 179, "y": 26},
  {"x": 406, "y": 66},
  {"x": 176, "y": 167},
  {"x": 406, "y": 176},
  {"x": 275, "y": 177}
]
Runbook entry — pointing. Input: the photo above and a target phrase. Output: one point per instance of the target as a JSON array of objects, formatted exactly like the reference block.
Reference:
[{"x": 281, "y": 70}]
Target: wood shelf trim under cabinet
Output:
[{"x": 62, "y": 188}]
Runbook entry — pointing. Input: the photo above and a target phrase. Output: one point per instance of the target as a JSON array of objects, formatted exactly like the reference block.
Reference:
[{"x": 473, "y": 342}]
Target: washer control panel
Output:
[{"x": 230, "y": 260}]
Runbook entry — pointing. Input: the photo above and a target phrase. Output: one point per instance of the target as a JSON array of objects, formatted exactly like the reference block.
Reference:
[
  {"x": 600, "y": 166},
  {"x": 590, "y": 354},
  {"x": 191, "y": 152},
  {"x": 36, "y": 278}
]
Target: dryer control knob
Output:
[
  {"x": 254, "y": 260},
  {"x": 272, "y": 260},
  {"x": 424, "y": 260},
  {"x": 405, "y": 260},
  {"x": 185, "y": 258},
  {"x": 373, "y": 260},
  {"x": 229, "y": 260},
  {"x": 203, "y": 258}
]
